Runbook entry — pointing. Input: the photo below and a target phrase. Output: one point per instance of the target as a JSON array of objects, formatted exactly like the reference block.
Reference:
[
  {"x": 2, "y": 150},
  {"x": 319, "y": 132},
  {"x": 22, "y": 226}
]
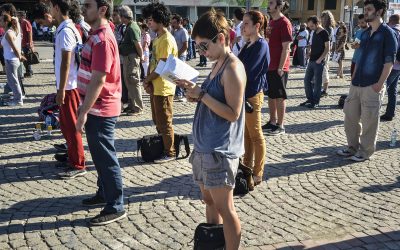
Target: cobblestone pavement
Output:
[{"x": 311, "y": 197}]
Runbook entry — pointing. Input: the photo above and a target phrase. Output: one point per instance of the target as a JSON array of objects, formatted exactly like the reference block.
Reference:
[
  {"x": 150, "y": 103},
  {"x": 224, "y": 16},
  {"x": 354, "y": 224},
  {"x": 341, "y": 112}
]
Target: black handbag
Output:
[
  {"x": 151, "y": 147},
  {"x": 243, "y": 180},
  {"x": 341, "y": 101},
  {"x": 32, "y": 58},
  {"x": 209, "y": 237}
]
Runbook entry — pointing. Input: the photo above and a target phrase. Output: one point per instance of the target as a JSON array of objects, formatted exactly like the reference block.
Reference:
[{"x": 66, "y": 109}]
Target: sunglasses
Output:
[{"x": 203, "y": 46}]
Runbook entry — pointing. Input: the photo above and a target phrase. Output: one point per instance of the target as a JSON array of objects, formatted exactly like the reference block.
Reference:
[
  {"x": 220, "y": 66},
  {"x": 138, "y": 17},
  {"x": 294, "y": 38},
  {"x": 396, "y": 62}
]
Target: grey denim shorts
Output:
[{"x": 214, "y": 170}]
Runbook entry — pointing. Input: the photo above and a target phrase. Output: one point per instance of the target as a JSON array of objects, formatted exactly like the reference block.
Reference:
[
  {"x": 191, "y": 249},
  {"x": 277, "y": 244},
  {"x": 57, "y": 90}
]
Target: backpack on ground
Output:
[
  {"x": 49, "y": 107},
  {"x": 209, "y": 237},
  {"x": 151, "y": 147},
  {"x": 243, "y": 179},
  {"x": 342, "y": 99}
]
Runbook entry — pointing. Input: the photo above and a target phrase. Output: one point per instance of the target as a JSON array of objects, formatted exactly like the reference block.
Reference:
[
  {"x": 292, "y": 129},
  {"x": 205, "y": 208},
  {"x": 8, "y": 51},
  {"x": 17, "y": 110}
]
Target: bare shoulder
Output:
[{"x": 235, "y": 71}]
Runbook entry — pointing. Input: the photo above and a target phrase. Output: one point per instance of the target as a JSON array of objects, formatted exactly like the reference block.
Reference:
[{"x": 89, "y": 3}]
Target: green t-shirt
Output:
[{"x": 132, "y": 35}]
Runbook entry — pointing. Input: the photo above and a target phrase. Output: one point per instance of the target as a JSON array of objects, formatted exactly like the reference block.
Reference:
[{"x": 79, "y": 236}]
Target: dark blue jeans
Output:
[
  {"x": 180, "y": 91},
  {"x": 313, "y": 89},
  {"x": 391, "y": 84},
  {"x": 100, "y": 137}
]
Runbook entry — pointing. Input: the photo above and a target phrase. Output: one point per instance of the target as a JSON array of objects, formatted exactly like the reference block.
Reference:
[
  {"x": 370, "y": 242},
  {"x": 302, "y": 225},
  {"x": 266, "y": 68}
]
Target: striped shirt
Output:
[{"x": 100, "y": 53}]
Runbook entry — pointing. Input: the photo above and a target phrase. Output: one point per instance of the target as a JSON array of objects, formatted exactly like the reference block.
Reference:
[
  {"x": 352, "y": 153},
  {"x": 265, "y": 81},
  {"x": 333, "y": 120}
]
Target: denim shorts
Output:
[{"x": 214, "y": 170}]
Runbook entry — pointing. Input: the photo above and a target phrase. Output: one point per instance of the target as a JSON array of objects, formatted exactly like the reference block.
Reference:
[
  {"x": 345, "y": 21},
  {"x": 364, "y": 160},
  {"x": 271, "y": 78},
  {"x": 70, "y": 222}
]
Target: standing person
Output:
[
  {"x": 238, "y": 19},
  {"x": 203, "y": 61},
  {"x": 319, "y": 49},
  {"x": 255, "y": 58},
  {"x": 302, "y": 45},
  {"x": 146, "y": 40},
  {"x": 188, "y": 26},
  {"x": 161, "y": 90},
  {"x": 99, "y": 84},
  {"x": 182, "y": 39},
  {"x": 11, "y": 43},
  {"x": 328, "y": 23},
  {"x": 279, "y": 38},
  {"x": 377, "y": 54},
  {"x": 27, "y": 40},
  {"x": 119, "y": 33},
  {"x": 356, "y": 45},
  {"x": 393, "y": 79},
  {"x": 232, "y": 33},
  {"x": 66, "y": 70},
  {"x": 218, "y": 125},
  {"x": 3, "y": 64},
  {"x": 132, "y": 53},
  {"x": 341, "y": 40}
]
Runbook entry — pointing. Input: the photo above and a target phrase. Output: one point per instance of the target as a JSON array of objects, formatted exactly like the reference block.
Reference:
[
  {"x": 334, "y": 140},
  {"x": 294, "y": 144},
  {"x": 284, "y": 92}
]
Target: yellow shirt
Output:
[{"x": 163, "y": 46}]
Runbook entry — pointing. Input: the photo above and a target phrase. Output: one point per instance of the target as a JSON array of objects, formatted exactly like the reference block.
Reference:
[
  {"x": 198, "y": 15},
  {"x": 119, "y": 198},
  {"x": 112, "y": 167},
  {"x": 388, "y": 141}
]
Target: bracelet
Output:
[{"x": 201, "y": 95}]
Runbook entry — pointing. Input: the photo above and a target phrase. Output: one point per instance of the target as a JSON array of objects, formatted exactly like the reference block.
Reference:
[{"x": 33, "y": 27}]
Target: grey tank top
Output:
[{"x": 211, "y": 132}]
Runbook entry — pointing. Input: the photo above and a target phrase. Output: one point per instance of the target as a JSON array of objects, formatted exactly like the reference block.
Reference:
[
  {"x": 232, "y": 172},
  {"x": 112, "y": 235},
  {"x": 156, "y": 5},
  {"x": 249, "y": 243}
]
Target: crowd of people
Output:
[{"x": 100, "y": 71}]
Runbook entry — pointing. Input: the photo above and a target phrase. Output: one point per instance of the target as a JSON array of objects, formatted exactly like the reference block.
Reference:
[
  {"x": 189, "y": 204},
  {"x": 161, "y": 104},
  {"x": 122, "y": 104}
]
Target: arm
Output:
[
  {"x": 183, "y": 49},
  {"x": 326, "y": 51},
  {"x": 64, "y": 72},
  {"x": 284, "y": 55},
  {"x": 92, "y": 93},
  {"x": 139, "y": 48},
  {"x": 387, "y": 68}
]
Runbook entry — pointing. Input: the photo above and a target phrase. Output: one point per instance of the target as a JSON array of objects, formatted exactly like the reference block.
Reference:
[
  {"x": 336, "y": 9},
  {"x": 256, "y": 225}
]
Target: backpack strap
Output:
[{"x": 77, "y": 57}]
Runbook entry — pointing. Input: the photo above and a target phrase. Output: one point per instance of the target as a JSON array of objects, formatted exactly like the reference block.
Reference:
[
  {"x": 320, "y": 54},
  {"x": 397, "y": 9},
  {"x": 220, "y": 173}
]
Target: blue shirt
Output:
[
  {"x": 255, "y": 59},
  {"x": 356, "y": 54},
  {"x": 375, "y": 50}
]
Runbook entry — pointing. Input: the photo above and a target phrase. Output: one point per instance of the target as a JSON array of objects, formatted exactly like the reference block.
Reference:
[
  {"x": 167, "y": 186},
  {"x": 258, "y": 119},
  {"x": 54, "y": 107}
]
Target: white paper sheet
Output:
[{"x": 175, "y": 69}]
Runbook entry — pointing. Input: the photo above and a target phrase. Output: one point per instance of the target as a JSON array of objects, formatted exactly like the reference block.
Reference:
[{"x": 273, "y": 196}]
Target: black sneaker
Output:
[
  {"x": 164, "y": 159},
  {"x": 72, "y": 173},
  {"x": 61, "y": 147},
  {"x": 386, "y": 118},
  {"x": 277, "y": 131},
  {"x": 324, "y": 93},
  {"x": 269, "y": 126},
  {"x": 94, "y": 201},
  {"x": 312, "y": 106},
  {"x": 305, "y": 103},
  {"x": 104, "y": 218},
  {"x": 61, "y": 157}
]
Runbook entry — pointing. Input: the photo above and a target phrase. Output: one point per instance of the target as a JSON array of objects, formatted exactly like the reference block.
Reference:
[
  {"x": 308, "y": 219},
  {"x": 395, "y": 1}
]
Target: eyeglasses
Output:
[{"x": 203, "y": 46}]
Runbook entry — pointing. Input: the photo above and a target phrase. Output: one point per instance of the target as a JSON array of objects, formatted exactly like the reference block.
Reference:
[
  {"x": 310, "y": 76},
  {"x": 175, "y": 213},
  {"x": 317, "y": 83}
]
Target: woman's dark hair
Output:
[
  {"x": 75, "y": 11},
  {"x": 239, "y": 13},
  {"x": 108, "y": 4},
  {"x": 39, "y": 10},
  {"x": 257, "y": 17},
  {"x": 284, "y": 5},
  {"x": 11, "y": 22},
  {"x": 178, "y": 18},
  {"x": 63, "y": 5},
  {"x": 144, "y": 27},
  {"x": 158, "y": 12},
  {"x": 210, "y": 24},
  {"x": 378, "y": 5},
  {"x": 313, "y": 19},
  {"x": 9, "y": 8}
]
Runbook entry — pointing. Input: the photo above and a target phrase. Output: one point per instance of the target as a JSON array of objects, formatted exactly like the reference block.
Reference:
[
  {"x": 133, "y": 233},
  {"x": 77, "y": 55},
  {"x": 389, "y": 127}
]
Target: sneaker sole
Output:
[
  {"x": 108, "y": 222},
  {"x": 270, "y": 134},
  {"x": 94, "y": 205},
  {"x": 72, "y": 177}
]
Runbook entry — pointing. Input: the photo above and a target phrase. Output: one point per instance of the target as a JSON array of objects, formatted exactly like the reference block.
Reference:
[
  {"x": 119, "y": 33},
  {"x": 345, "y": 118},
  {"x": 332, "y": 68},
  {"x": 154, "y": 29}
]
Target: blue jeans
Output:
[
  {"x": 100, "y": 137},
  {"x": 391, "y": 84},
  {"x": 189, "y": 50},
  {"x": 180, "y": 91},
  {"x": 313, "y": 90}
]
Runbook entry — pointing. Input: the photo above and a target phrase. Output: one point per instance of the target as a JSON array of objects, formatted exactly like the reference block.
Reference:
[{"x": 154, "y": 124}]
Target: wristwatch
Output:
[{"x": 201, "y": 95}]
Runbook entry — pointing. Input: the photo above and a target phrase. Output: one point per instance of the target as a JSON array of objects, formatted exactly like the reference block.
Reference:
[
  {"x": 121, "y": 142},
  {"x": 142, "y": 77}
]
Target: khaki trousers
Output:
[
  {"x": 254, "y": 143},
  {"x": 162, "y": 113},
  {"x": 131, "y": 74},
  {"x": 361, "y": 122}
]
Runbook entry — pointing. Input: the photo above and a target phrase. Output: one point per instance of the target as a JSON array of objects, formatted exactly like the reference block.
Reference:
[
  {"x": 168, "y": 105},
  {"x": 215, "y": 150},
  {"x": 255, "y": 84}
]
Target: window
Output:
[
  {"x": 310, "y": 5},
  {"x": 330, "y": 4},
  {"x": 293, "y": 5}
]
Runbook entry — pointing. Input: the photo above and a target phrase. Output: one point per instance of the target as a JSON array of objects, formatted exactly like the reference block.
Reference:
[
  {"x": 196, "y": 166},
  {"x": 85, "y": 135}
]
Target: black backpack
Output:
[
  {"x": 243, "y": 178},
  {"x": 151, "y": 146},
  {"x": 209, "y": 237},
  {"x": 342, "y": 99}
]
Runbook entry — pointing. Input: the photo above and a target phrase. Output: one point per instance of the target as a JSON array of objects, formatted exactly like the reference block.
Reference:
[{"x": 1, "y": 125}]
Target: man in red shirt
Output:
[
  {"x": 279, "y": 32},
  {"x": 99, "y": 85},
  {"x": 27, "y": 41}
]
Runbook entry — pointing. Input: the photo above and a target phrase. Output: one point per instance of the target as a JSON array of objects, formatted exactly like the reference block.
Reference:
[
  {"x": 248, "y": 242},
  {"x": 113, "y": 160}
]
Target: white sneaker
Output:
[
  {"x": 344, "y": 152},
  {"x": 357, "y": 158}
]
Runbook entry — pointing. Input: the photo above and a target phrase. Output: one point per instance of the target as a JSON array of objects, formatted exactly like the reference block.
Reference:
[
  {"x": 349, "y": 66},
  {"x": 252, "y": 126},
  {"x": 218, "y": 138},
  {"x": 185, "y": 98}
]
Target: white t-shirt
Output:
[
  {"x": 238, "y": 32},
  {"x": 303, "y": 42},
  {"x": 333, "y": 35},
  {"x": 8, "y": 52},
  {"x": 66, "y": 40}
]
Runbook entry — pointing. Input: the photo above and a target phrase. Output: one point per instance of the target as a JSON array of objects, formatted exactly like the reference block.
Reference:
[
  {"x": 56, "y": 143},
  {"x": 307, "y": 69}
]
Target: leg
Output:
[
  {"x": 223, "y": 200},
  {"x": 319, "y": 68},
  {"x": 124, "y": 97},
  {"x": 68, "y": 117},
  {"x": 164, "y": 111},
  {"x": 281, "y": 110},
  {"x": 12, "y": 79},
  {"x": 212, "y": 215},
  {"x": 352, "y": 115},
  {"x": 307, "y": 81},
  {"x": 132, "y": 82},
  {"x": 100, "y": 137},
  {"x": 370, "y": 106},
  {"x": 392, "y": 83},
  {"x": 272, "y": 110},
  {"x": 325, "y": 73},
  {"x": 248, "y": 144}
]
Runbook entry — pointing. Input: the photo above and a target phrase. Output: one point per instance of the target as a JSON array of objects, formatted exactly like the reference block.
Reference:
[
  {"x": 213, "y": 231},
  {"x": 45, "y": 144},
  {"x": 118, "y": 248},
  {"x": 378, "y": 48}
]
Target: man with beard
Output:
[{"x": 378, "y": 49}]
